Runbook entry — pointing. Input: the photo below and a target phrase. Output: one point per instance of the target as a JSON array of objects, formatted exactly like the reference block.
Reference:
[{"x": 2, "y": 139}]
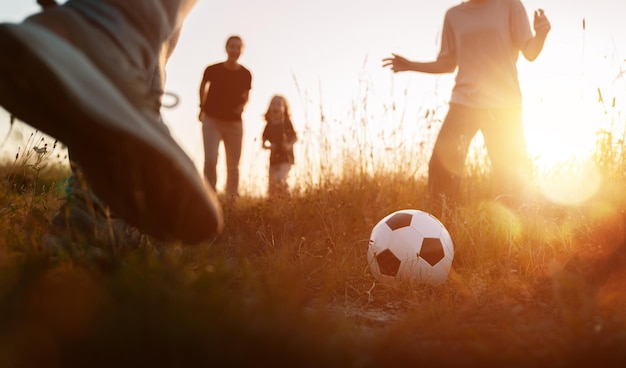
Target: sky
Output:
[{"x": 322, "y": 55}]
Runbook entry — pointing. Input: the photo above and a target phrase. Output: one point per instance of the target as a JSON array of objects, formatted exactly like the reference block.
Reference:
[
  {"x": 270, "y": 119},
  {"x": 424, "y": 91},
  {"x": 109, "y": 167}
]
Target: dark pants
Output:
[{"x": 503, "y": 133}]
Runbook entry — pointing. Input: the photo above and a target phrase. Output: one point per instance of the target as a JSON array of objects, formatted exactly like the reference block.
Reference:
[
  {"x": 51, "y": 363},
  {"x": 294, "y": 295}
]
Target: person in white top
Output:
[{"x": 481, "y": 41}]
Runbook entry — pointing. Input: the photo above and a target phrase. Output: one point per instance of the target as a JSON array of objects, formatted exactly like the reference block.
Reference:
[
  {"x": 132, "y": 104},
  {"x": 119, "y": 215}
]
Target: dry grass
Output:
[{"x": 287, "y": 284}]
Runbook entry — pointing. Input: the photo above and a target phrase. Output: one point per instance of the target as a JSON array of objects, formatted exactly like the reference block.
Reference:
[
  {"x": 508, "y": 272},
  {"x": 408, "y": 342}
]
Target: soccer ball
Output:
[{"x": 410, "y": 245}]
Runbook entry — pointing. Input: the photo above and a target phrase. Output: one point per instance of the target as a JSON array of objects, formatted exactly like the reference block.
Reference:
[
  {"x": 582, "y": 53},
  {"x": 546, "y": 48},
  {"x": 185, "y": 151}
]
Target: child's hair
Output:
[{"x": 287, "y": 114}]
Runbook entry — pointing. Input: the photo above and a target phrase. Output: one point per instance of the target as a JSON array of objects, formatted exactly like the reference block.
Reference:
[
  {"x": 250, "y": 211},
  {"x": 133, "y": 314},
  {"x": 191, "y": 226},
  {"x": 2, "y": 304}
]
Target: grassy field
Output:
[{"x": 287, "y": 283}]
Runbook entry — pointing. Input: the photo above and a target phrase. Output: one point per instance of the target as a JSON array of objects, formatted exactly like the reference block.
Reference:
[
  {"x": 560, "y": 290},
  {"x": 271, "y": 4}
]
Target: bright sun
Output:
[{"x": 561, "y": 132}]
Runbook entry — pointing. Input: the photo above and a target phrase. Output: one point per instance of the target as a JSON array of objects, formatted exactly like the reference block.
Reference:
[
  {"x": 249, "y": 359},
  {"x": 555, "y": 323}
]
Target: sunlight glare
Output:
[
  {"x": 563, "y": 126},
  {"x": 571, "y": 186},
  {"x": 561, "y": 132}
]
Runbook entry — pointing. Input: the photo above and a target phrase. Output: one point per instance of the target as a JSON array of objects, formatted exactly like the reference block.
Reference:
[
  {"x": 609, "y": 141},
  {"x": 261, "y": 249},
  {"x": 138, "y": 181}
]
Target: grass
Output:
[{"x": 287, "y": 284}]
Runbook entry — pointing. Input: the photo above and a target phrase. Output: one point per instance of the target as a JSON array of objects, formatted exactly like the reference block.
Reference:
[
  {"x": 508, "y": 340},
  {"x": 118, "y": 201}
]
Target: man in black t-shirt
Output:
[{"x": 223, "y": 95}]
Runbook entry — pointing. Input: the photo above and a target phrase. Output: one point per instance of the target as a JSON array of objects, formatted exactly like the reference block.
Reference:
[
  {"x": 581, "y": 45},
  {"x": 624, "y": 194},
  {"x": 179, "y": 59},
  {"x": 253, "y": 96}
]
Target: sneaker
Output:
[{"x": 71, "y": 82}]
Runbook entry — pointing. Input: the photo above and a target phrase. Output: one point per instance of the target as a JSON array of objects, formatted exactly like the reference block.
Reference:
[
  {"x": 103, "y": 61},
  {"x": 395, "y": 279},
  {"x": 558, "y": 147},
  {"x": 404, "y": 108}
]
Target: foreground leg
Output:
[{"x": 93, "y": 92}]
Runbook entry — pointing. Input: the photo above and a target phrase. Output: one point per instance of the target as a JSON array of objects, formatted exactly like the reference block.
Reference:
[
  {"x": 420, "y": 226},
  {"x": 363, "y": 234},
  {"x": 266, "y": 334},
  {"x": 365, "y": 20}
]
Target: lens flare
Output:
[{"x": 571, "y": 185}]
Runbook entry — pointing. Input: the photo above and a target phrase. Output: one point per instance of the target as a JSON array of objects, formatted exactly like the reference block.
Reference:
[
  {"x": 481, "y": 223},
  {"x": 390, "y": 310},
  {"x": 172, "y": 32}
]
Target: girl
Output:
[{"x": 279, "y": 137}]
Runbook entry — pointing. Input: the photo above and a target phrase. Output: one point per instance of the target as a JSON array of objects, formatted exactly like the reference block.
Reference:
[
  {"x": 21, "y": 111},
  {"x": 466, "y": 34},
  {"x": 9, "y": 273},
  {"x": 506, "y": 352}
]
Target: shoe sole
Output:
[{"x": 132, "y": 165}]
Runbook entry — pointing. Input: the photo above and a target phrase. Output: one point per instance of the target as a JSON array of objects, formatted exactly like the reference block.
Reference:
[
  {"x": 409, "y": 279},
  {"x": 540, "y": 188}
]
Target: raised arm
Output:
[
  {"x": 534, "y": 46},
  {"x": 399, "y": 63}
]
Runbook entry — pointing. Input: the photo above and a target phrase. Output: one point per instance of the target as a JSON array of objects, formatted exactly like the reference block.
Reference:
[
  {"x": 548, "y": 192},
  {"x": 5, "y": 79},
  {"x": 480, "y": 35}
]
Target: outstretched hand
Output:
[
  {"x": 541, "y": 23},
  {"x": 397, "y": 63}
]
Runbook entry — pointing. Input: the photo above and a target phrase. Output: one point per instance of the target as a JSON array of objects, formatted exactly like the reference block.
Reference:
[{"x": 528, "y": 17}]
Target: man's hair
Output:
[
  {"x": 234, "y": 38},
  {"x": 47, "y": 3}
]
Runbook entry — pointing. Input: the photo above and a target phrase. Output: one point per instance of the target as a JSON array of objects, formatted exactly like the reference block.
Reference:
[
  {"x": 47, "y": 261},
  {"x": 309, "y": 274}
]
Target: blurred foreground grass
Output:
[{"x": 287, "y": 283}]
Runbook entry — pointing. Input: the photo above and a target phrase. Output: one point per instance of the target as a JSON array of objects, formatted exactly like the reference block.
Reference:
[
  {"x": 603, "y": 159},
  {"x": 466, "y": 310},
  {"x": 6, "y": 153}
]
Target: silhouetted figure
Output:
[
  {"x": 481, "y": 40},
  {"x": 279, "y": 137},
  {"x": 224, "y": 92}
]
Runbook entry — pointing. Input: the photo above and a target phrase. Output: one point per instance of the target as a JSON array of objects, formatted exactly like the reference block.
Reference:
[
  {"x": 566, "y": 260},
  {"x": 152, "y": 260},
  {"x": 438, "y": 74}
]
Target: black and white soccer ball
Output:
[{"x": 410, "y": 245}]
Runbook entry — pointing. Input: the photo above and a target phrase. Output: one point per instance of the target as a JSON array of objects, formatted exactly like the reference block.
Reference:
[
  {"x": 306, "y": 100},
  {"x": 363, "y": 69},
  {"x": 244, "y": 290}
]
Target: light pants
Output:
[
  {"x": 278, "y": 175},
  {"x": 215, "y": 131}
]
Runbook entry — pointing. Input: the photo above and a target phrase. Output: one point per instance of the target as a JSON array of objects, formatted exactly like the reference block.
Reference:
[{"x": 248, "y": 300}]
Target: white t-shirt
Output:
[{"x": 484, "y": 41}]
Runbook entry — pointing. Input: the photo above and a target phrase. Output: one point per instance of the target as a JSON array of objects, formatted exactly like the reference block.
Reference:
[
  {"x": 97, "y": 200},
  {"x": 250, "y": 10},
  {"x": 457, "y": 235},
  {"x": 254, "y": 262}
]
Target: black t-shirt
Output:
[
  {"x": 225, "y": 91},
  {"x": 276, "y": 134}
]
